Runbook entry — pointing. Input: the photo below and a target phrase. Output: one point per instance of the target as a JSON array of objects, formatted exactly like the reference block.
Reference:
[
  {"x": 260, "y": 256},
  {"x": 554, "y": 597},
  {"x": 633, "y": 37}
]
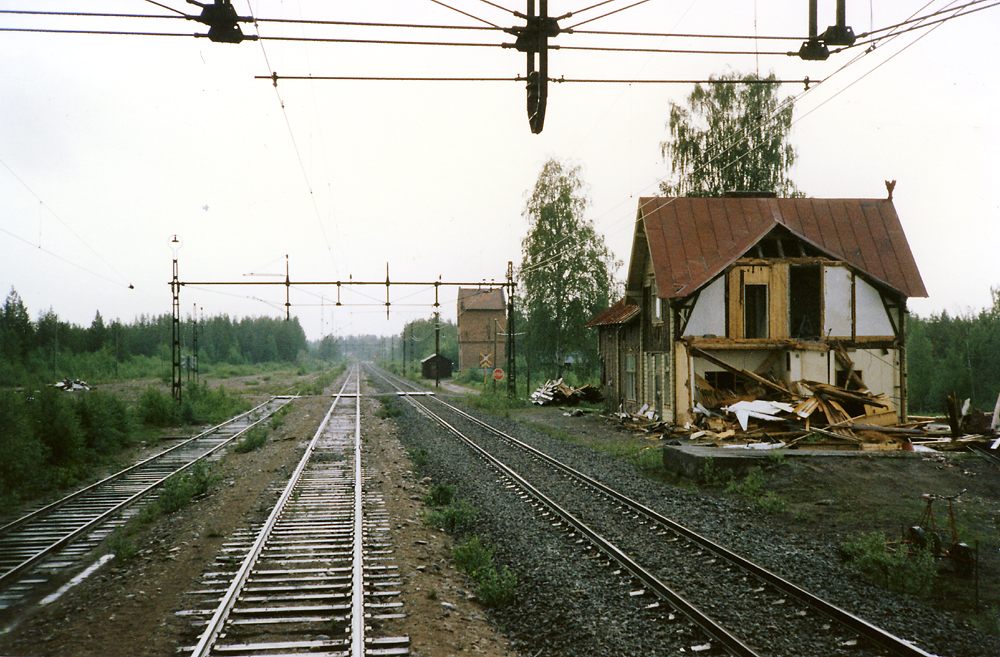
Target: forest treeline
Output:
[
  {"x": 51, "y": 348},
  {"x": 954, "y": 354}
]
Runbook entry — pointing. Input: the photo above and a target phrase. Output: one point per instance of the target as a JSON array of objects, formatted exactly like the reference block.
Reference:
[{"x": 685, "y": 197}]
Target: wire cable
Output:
[
  {"x": 48, "y": 208},
  {"x": 88, "y": 14},
  {"x": 63, "y": 258},
  {"x": 295, "y": 147},
  {"x": 466, "y": 14},
  {"x": 610, "y": 13},
  {"x": 502, "y": 8},
  {"x": 168, "y": 8}
]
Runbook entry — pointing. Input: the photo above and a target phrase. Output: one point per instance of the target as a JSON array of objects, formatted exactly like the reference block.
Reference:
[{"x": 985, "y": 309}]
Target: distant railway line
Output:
[
  {"x": 317, "y": 577},
  {"x": 739, "y": 607},
  {"x": 57, "y": 536}
]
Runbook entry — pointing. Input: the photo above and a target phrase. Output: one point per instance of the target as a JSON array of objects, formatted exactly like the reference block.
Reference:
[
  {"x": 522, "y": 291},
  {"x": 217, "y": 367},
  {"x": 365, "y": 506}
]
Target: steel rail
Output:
[
  {"x": 65, "y": 540},
  {"x": 885, "y": 640},
  {"x": 217, "y": 622},
  {"x": 711, "y": 628},
  {"x": 60, "y": 502}
]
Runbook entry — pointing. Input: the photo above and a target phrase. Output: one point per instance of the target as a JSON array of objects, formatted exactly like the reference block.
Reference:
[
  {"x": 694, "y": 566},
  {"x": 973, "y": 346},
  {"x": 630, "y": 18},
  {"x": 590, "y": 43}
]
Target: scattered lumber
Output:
[{"x": 557, "y": 393}]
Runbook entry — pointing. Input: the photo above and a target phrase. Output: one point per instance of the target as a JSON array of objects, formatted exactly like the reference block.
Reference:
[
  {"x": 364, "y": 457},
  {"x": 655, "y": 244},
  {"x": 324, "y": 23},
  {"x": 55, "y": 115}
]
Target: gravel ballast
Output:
[{"x": 570, "y": 604}]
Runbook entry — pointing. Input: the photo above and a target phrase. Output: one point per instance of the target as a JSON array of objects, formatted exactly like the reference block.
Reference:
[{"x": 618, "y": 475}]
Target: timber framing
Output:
[{"x": 764, "y": 291}]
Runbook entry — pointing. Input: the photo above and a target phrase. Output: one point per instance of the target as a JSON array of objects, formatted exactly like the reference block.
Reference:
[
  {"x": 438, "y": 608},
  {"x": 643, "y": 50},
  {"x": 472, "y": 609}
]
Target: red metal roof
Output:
[
  {"x": 692, "y": 240},
  {"x": 481, "y": 299},
  {"x": 619, "y": 313}
]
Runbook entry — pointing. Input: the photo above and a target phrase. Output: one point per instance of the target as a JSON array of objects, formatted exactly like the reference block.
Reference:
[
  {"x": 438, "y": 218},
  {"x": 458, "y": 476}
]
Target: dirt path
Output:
[{"x": 128, "y": 609}]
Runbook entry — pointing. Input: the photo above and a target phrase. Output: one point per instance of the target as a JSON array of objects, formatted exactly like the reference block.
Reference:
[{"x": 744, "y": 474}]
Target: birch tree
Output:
[
  {"x": 731, "y": 136},
  {"x": 566, "y": 272}
]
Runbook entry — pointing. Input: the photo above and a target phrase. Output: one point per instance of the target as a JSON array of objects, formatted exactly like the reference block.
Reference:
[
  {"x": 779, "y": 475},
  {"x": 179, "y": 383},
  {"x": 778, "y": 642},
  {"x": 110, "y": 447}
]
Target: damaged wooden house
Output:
[{"x": 752, "y": 297}]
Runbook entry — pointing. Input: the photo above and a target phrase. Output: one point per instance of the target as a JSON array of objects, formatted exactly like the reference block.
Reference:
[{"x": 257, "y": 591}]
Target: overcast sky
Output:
[{"x": 109, "y": 145}]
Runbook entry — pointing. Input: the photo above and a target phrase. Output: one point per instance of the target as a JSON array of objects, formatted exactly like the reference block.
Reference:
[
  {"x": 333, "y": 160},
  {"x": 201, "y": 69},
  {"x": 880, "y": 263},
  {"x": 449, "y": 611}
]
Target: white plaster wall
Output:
[
  {"x": 746, "y": 360},
  {"x": 837, "y": 301},
  {"x": 880, "y": 371},
  {"x": 815, "y": 365},
  {"x": 872, "y": 316},
  {"x": 708, "y": 317}
]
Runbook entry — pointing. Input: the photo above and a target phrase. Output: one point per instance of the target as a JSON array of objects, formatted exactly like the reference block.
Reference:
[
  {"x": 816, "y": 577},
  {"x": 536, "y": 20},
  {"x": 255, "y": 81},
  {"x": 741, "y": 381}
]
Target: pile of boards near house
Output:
[
  {"x": 763, "y": 321},
  {"x": 556, "y": 392}
]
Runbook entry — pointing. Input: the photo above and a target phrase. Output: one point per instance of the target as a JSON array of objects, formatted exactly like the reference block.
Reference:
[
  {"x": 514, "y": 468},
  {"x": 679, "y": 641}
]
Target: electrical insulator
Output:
[{"x": 222, "y": 20}]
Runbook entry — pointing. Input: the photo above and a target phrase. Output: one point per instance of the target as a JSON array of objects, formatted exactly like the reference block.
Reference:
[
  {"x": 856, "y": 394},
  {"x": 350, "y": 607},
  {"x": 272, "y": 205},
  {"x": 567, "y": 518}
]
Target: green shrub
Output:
[
  {"x": 157, "y": 409},
  {"x": 122, "y": 545},
  {"x": 471, "y": 556},
  {"x": 106, "y": 422},
  {"x": 389, "y": 409},
  {"x": 751, "y": 488},
  {"x": 58, "y": 428},
  {"x": 251, "y": 440},
  {"x": 179, "y": 490},
  {"x": 495, "y": 402},
  {"x": 896, "y": 568},
  {"x": 23, "y": 454},
  {"x": 212, "y": 406},
  {"x": 456, "y": 518},
  {"x": 496, "y": 588},
  {"x": 418, "y": 457},
  {"x": 440, "y": 495}
]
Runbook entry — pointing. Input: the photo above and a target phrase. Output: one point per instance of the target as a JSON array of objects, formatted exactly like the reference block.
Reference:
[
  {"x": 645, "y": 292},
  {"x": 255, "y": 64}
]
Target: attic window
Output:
[{"x": 755, "y": 311}]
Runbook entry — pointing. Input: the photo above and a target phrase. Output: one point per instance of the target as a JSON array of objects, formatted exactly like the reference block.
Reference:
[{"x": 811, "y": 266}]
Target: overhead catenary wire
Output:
[
  {"x": 167, "y": 7},
  {"x": 735, "y": 140},
  {"x": 465, "y": 13},
  {"x": 517, "y": 78},
  {"x": 610, "y": 13},
  {"x": 63, "y": 259},
  {"x": 298, "y": 153},
  {"x": 124, "y": 279},
  {"x": 921, "y": 26}
]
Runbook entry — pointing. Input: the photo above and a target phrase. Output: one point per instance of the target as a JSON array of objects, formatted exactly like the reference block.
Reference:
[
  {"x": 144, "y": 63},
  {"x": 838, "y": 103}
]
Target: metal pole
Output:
[
  {"x": 813, "y": 21},
  {"x": 437, "y": 339},
  {"x": 496, "y": 361},
  {"x": 288, "y": 286},
  {"x": 511, "y": 383},
  {"x": 175, "y": 342},
  {"x": 194, "y": 363}
]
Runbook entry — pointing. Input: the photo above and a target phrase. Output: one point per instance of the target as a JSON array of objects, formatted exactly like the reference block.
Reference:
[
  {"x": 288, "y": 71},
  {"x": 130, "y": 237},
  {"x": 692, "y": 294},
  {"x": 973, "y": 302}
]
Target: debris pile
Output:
[
  {"x": 752, "y": 410},
  {"x": 71, "y": 385},
  {"x": 557, "y": 393}
]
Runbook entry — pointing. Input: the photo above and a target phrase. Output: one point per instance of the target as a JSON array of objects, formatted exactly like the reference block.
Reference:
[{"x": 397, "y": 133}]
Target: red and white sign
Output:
[{"x": 498, "y": 374}]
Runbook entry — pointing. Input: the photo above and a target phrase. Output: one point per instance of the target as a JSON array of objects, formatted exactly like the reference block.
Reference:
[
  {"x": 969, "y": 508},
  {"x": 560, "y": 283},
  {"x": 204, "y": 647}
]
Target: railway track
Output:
[
  {"x": 741, "y": 607},
  {"x": 316, "y": 578},
  {"x": 56, "y": 537}
]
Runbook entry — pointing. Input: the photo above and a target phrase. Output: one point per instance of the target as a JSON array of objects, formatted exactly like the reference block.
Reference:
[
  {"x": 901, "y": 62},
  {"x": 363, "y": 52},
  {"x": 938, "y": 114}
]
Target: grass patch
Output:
[
  {"x": 495, "y": 587},
  {"x": 122, "y": 545},
  {"x": 495, "y": 402},
  {"x": 440, "y": 495},
  {"x": 644, "y": 456},
  {"x": 252, "y": 440},
  {"x": 418, "y": 457},
  {"x": 456, "y": 518},
  {"x": 179, "y": 490},
  {"x": 389, "y": 409},
  {"x": 896, "y": 568},
  {"x": 752, "y": 489}
]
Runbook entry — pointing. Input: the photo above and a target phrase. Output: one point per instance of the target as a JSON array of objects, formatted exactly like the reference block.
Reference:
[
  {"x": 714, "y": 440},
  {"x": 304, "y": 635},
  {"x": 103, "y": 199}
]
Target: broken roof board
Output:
[{"x": 693, "y": 239}]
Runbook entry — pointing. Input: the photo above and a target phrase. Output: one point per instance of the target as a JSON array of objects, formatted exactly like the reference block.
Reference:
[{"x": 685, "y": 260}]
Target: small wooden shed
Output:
[{"x": 435, "y": 366}]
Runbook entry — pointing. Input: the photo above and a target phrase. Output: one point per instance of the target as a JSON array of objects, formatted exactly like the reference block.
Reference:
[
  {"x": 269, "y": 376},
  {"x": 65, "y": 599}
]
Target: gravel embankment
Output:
[{"x": 569, "y": 604}]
